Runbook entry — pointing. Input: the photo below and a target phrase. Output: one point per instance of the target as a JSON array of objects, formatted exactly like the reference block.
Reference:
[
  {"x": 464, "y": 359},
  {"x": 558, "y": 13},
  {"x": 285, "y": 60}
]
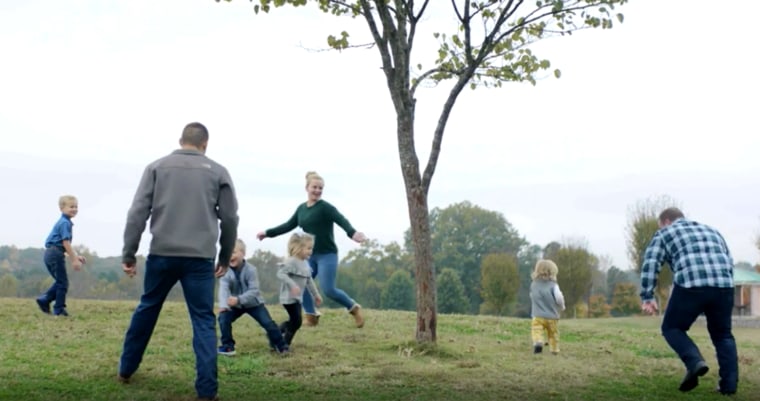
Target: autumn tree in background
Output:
[
  {"x": 642, "y": 224},
  {"x": 490, "y": 45},
  {"x": 499, "y": 283},
  {"x": 451, "y": 298},
  {"x": 625, "y": 299},
  {"x": 576, "y": 271},
  {"x": 598, "y": 306},
  {"x": 462, "y": 235}
]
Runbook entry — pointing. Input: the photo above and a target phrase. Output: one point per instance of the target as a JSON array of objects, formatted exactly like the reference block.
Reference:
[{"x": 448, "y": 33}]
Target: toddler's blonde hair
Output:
[
  {"x": 545, "y": 270},
  {"x": 239, "y": 244},
  {"x": 65, "y": 200},
  {"x": 299, "y": 241}
]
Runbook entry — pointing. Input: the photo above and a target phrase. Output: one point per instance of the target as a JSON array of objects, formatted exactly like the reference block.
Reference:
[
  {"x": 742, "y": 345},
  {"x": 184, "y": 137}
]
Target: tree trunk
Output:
[
  {"x": 425, "y": 270},
  {"x": 419, "y": 219}
]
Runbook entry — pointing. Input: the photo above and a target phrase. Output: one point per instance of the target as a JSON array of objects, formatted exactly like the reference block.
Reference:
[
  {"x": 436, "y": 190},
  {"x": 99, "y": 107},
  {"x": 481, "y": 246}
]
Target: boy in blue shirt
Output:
[{"x": 57, "y": 245}]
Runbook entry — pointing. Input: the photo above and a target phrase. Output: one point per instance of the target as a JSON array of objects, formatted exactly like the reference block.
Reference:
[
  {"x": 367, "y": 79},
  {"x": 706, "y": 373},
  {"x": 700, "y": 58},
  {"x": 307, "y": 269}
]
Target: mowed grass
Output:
[{"x": 476, "y": 358}]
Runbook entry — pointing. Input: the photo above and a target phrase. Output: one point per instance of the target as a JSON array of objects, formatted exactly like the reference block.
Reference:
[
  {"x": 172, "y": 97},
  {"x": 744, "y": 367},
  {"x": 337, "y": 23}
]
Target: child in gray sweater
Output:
[
  {"x": 295, "y": 275},
  {"x": 239, "y": 294},
  {"x": 547, "y": 302}
]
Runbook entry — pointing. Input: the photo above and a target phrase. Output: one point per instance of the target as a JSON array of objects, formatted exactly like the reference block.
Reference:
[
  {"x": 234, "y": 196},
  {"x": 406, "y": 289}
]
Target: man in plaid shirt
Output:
[{"x": 702, "y": 284}]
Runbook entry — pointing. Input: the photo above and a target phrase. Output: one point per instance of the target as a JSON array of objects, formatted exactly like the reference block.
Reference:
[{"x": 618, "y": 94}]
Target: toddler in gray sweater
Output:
[{"x": 295, "y": 276}]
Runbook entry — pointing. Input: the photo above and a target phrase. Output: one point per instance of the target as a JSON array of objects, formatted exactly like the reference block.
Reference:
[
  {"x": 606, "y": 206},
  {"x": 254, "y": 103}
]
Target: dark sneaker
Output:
[
  {"x": 61, "y": 312},
  {"x": 691, "y": 380},
  {"x": 724, "y": 392},
  {"x": 44, "y": 306},
  {"x": 538, "y": 348},
  {"x": 122, "y": 379},
  {"x": 214, "y": 398},
  {"x": 226, "y": 350}
]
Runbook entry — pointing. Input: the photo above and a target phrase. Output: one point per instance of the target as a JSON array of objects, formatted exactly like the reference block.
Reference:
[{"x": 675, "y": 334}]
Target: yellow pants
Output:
[{"x": 540, "y": 325}]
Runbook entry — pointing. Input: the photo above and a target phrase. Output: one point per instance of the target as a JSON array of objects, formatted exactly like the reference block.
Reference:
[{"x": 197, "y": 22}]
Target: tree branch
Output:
[
  {"x": 534, "y": 19},
  {"x": 413, "y": 20},
  {"x": 389, "y": 30},
  {"x": 382, "y": 41},
  {"x": 359, "y": 46},
  {"x": 423, "y": 77},
  {"x": 456, "y": 11},
  {"x": 435, "y": 150},
  {"x": 467, "y": 33},
  {"x": 422, "y": 11}
]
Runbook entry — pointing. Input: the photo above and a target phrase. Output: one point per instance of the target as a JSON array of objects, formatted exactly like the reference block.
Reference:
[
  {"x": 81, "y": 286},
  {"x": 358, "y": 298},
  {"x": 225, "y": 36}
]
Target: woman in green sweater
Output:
[{"x": 317, "y": 217}]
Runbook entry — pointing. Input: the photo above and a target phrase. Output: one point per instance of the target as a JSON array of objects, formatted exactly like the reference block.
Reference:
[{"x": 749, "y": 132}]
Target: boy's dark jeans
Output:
[
  {"x": 684, "y": 306},
  {"x": 55, "y": 261},
  {"x": 258, "y": 313}
]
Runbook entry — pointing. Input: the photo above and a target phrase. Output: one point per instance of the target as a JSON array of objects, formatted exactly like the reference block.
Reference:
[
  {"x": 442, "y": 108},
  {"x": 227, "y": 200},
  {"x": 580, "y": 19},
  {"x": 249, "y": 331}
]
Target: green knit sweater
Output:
[{"x": 317, "y": 220}]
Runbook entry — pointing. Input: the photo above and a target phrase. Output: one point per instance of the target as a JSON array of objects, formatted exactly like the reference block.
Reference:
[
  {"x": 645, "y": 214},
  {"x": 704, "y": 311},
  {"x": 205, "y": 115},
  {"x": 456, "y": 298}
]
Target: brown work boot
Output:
[
  {"x": 357, "y": 313},
  {"x": 312, "y": 320}
]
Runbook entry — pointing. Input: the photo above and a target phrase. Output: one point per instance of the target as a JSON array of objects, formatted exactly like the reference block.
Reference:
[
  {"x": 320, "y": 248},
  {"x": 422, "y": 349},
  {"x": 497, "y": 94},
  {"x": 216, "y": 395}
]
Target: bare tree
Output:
[
  {"x": 642, "y": 224},
  {"x": 491, "y": 46}
]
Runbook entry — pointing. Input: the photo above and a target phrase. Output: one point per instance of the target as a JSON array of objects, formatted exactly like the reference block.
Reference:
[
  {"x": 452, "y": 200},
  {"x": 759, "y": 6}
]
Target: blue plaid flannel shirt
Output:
[{"x": 697, "y": 254}]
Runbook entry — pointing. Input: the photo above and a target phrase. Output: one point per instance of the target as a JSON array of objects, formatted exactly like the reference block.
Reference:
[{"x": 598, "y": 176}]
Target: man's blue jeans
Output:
[
  {"x": 684, "y": 306},
  {"x": 55, "y": 261},
  {"x": 196, "y": 275},
  {"x": 258, "y": 313},
  {"x": 324, "y": 267}
]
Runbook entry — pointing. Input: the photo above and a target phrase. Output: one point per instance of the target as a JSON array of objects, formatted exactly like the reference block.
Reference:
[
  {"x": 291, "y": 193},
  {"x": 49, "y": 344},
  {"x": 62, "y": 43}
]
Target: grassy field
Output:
[{"x": 476, "y": 358}]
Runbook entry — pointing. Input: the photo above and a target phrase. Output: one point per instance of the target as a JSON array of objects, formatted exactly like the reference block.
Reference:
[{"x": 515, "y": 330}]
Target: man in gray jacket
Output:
[{"x": 188, "y": 198}]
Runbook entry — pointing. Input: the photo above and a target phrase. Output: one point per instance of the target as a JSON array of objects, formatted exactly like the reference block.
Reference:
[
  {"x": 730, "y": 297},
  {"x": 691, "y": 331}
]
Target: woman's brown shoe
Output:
[
  {"x": 357, "y": 313},
  {"x": 312, "y": 320}
]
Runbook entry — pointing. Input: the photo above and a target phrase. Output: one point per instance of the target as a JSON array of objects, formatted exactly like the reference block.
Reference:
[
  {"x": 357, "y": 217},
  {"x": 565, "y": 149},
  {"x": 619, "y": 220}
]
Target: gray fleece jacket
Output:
[
  {"x": 188, "y": 198},
  {"x": 241, "y": 282},
  {"x": 295, "y": 272}
]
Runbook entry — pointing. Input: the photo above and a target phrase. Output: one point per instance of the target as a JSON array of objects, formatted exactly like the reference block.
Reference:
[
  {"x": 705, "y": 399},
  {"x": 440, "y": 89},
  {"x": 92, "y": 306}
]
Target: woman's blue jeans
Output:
[{"x": 324, "y": 268}]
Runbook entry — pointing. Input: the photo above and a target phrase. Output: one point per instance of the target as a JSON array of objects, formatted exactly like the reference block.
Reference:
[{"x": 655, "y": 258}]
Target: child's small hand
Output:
[
  {"x": 295, "y": 291},
  {"x": 318, "y": 300},
  {"x": 232, "y": 301},
  {"x": 76, "y": 264},
  {"x": 82, "y": 259}
]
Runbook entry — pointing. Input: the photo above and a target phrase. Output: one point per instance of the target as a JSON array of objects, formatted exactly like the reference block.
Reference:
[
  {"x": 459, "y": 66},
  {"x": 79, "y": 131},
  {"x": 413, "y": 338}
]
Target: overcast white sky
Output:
[{"x": 93, "y": 90}]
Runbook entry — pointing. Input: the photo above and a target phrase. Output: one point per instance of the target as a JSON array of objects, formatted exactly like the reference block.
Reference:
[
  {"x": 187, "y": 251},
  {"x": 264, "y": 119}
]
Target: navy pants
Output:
[
  {"x": 258, "y": 313},
  {"x": 196, "y": 275},
  {"x": 684, "y": 307},
  {"x": 55, "y": 261}
]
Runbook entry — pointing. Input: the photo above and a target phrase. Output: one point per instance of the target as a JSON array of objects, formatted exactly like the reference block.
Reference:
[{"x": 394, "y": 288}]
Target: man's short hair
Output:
[
  {"x": 671, "y": 214},
  {"x": 194, "y": 134}
]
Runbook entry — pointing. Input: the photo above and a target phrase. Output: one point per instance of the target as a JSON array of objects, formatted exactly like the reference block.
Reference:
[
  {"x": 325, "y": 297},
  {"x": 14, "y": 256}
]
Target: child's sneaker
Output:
[
  {"x": 61, "y": 312},
  {"x": 538, "y": 348},
  {"x": 44, "y": 306},
  {"x": 226, "y": 350}
]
